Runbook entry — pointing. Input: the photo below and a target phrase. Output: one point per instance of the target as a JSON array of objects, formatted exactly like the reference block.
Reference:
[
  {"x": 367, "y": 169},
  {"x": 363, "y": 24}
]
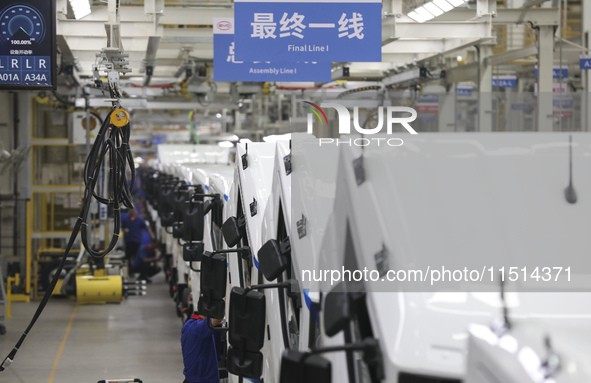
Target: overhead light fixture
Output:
[
  {"x": 444, "y": 5},
  {"x": 80, "y": 8},
  {"x": 424, "y": 13},
  {"x": 416, "y": 17},
  {"x": 433, "y": 9}
]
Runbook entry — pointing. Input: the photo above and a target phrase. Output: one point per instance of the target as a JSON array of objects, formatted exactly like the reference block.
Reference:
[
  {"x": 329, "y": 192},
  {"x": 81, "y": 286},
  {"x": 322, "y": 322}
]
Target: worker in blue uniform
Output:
[
  {"x": 133, "y": 226},
  {"x": 145, "y": 262},
  {"x": 200, "y": 346}
]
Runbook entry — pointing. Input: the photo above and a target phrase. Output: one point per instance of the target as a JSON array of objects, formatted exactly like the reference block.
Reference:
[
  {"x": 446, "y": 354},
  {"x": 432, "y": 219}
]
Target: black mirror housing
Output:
[
  {"x": 251, "y": 366},
  {"x": 213, "y": 286},
  {"x": 272, "y": 261},
  {"x": 177, "y": 230},
  {"x": 213, "y": 276},
  {"x": 193, "y": 222},
  {"x": 298, "y": 367},
  {"x": 247, "y": 319},
  {"x": 180, "y": 197},
  {"x": 193, "y": 251},
  {"x": 167, "y": 219},
  {"x": 214, "y": 308},
  {"x": 231, "y": 232},
  {"x": 337, "y": 312}
]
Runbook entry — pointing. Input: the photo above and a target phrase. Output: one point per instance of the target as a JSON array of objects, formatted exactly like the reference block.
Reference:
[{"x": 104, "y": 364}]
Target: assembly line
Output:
[
  {"x": 268, "y": 246},
  {"x": 294, "y": 191}
]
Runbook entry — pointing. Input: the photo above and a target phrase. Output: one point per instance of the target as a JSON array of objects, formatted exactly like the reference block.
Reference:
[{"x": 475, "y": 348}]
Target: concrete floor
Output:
[{"x": 139, "y": 338}]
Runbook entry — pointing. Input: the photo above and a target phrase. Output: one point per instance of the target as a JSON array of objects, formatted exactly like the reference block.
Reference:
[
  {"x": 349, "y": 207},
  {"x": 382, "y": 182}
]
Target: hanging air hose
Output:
[{"x": 112, "y": 146}]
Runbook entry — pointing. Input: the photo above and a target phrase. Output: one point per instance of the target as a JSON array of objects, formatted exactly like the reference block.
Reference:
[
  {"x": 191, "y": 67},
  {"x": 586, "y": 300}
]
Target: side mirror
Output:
[
  {"x": 177, "y": 230},
  {"x": 298, "y": 367},
  {"x": 213, "y": 275},
  {"x": 193, "y": 251},
  {"x": 337, "y": 312},
  {"x": 180, "y": 197},
  {"x": 272, "y": 259},
  {"x": 211, "y": 308},
  {"x": 247, "y": 332},
  {"x": 231, "y": 231},
  {"x": 247, "y": 319},
  {"x": 165, "y": 204},
  {"x": 193, "y": 222},
  {"x": 167, "y": 219},
  {"x": 340, "y": 305},
  {"x": 213, "y": 286},
  {"x": 246, "y": 364}
]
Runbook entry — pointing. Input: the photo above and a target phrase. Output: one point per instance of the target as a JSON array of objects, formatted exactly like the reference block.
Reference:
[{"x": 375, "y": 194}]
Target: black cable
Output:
[{"x": 114, "y": 142}]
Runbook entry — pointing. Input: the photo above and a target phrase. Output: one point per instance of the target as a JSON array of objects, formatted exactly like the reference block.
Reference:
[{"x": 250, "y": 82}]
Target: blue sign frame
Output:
[
  {"x": 501, "y": 82},
  {"x": 305, "y": 30},
  {"x": 556, "y": 72},
  {"x": 227, "y": 68},
  {"x": 28, "y": 45}
]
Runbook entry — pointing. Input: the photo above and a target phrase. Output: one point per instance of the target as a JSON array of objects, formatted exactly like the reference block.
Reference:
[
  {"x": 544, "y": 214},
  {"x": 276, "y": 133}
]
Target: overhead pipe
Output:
[{"x": 190, "y": 5}]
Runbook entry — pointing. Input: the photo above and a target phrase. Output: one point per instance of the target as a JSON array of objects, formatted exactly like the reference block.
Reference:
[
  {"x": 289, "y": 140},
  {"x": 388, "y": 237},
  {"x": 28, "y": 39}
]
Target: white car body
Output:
[
  {"x": 315, "y": 170},
  {"x": 216, "y": 179},
  {"x": 252, "y": 183},
  {"x": 456, "y": 194},
  {"x": 520, "y": 354},
  {"x": 193, "y": 164}
]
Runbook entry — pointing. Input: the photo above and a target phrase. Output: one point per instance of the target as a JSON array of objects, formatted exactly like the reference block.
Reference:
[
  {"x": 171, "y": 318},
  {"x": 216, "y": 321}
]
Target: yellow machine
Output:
[
  {"x": 86, "y": 284},
  {"x": 97, "y": 290}
]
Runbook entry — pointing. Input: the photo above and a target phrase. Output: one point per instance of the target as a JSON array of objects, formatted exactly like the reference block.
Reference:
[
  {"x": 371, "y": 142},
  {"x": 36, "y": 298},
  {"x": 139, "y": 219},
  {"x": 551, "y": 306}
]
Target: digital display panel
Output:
[{"x": 27, "y": 44}]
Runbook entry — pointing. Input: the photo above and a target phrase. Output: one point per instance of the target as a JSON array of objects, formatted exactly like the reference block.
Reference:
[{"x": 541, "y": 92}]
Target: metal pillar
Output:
[
  {"x": 447, "y": 111},
  {"x": 545, "y": 78},
  {"x": 484, "y": 89}
]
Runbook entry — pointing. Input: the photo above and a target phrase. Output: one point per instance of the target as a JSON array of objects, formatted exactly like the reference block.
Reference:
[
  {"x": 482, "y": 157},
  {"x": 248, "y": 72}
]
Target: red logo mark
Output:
[{"x": 224, "y": 25}]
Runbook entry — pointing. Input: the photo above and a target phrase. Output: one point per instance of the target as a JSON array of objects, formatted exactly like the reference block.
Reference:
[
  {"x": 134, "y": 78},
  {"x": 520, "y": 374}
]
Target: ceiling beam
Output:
[
  {"x": 171, "y": 16},
  {"x": 504, "y": 16},
  {"x": 414, "y": 46},
  {"x": 392, "y": 30}
]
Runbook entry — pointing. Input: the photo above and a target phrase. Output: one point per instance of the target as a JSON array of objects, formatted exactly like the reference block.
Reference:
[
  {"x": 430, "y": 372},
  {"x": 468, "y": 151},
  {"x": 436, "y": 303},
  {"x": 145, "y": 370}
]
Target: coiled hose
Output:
[{"x": 112, "y": 144}]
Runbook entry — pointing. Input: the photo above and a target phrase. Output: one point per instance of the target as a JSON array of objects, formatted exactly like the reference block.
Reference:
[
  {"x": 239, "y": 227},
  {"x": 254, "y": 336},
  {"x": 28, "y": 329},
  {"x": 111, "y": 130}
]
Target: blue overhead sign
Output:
[
  {"x": 27, "y": 44},
  {"x": 557, "y": 72},
  {"x": 464, "y": 91},
  {"x": 307, "y": 30},
  {"x": 429, "y": 98},
  {"x": 504, "y": 82},
  {"x": 565, "y": 103},
  {"x": 585, "y": 62},
  {"x": 227, "y": 68}
]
